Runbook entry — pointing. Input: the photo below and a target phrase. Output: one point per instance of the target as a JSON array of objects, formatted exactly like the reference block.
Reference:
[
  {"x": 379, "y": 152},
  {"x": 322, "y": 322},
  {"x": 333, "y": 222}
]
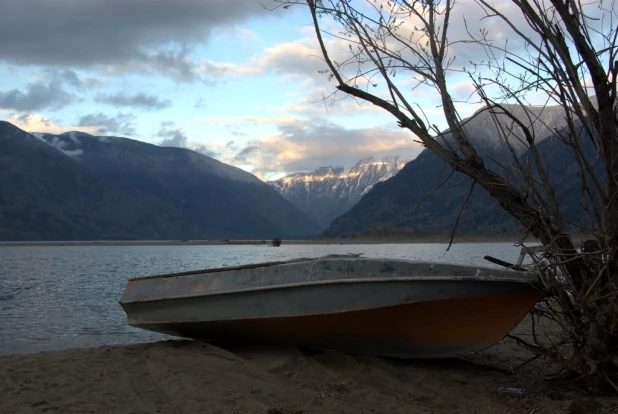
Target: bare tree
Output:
[{"x": 562, "y": 50}]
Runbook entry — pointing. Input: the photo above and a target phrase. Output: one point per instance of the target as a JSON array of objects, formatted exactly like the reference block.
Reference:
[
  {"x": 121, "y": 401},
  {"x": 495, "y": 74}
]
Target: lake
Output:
[{"x": 58, "y": 297}]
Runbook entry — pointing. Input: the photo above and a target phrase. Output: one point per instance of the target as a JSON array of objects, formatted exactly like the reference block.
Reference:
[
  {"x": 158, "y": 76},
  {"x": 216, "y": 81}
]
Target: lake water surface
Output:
[{"x": 58, "y": 297}]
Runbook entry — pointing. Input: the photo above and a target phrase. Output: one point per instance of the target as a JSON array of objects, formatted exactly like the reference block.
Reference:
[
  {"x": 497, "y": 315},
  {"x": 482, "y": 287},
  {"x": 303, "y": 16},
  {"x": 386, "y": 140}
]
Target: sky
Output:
[{"x": 231, "y": 79}]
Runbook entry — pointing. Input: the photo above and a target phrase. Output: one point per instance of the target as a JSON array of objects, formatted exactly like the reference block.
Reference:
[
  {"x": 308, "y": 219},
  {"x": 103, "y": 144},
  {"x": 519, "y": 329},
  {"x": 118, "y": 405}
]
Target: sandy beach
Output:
[{"x": 196, "y": 377}]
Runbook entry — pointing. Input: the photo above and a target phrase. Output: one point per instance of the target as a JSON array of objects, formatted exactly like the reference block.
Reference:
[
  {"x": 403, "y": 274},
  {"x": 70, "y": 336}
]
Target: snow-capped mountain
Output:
[{"x": 328, "y": 192}]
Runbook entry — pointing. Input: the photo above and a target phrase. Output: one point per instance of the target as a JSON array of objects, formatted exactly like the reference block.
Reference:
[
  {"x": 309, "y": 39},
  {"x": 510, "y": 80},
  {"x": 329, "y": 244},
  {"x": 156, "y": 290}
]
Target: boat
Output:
[{"x": 382, "y": 307}]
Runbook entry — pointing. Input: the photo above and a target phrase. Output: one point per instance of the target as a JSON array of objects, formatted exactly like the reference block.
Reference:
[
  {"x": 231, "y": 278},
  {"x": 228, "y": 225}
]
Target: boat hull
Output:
[
  {"x": 432, "y": 329},
  {"x": 394, "y": 313}
]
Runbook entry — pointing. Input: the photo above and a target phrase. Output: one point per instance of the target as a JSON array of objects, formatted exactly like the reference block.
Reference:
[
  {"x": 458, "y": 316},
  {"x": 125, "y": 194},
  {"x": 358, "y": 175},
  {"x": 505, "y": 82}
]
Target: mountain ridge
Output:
[
  {"x": 385, "y": 211},
  {"x": 329, "y": 191},
  {"x": 182, "y": 194}
]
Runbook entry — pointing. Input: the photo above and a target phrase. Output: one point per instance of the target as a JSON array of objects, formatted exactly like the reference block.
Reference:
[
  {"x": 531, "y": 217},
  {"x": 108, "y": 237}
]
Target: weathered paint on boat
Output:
[{"x": 370, "y": 306}]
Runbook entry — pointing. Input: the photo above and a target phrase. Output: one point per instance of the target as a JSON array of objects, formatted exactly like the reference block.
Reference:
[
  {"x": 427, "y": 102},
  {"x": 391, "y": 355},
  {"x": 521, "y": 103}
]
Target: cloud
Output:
[
  {"x": 139, "y": 100},
  {"x": 248, "y": 120},
  {"x": 87, "y": 32},
  {"x": 200, "y": 104},
  {"x": 246, "y": 35},
  {"x": 217, "y": 69},
  {"x": 68, "y": 76},
  {"x": 308, "y": 143},
  {"x": 296, "y": 59},
  {"x": 247, "y": 151},
  {"x": 172, "y": 137},
  {"x": 319, "y": 102},
  {"x": 38, "y": 96},
  {"x": 176, "y": 137},
  {"x": 63, "y": 145},
  {"x": 173, "y": 61},
  {"x": 305, "y": 146},
  {"x": 38, "y": 123},
  {"x": 72, "y": 78},
  {"x": 204, "y": 149},
  {"x": 301, "y": 59},
  {"x": 241, "y": 35},
  {"x": 121, "y": 124}
]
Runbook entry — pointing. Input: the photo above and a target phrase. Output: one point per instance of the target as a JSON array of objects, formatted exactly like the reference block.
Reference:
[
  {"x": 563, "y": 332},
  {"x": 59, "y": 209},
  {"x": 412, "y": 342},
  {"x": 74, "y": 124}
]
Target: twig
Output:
[
  {"x": 426, "y": 195},
  {"x": 459, "y": 215},
  {"x": 526, "y": 362},
  {"x": 610, "y": 382},
  {"x": 526, "y": 344}
]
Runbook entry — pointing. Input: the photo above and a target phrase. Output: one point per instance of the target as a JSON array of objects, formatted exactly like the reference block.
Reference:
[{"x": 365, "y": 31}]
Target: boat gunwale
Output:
[
  {"x": 307, "y": 259},
  {"x": 222, "y": 269},
  {"x": 533, "y": 283}
]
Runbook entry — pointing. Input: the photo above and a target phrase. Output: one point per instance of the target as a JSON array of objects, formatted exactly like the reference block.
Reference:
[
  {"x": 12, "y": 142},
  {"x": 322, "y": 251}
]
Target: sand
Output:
[{"x": 196, "y": 377}]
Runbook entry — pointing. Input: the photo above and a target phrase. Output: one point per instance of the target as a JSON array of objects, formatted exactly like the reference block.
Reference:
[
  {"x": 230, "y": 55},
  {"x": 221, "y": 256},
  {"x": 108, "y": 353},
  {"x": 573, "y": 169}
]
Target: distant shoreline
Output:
[{"x": 267, "y": 242}]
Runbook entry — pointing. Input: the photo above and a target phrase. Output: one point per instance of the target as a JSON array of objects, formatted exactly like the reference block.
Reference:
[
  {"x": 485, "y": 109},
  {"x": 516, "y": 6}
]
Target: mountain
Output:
[
  {"x": 78, "y": 186},
  {"x": 47, "y": 195},
  {"x": 490, "y": 134},
  {"x": 328, "y": 192},
  {"x": 386, "y": 210}
]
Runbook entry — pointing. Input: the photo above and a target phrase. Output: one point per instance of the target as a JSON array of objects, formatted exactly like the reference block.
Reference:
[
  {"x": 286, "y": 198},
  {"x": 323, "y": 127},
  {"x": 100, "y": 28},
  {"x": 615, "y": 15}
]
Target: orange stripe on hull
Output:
[{"x": 422, "y": 329}]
